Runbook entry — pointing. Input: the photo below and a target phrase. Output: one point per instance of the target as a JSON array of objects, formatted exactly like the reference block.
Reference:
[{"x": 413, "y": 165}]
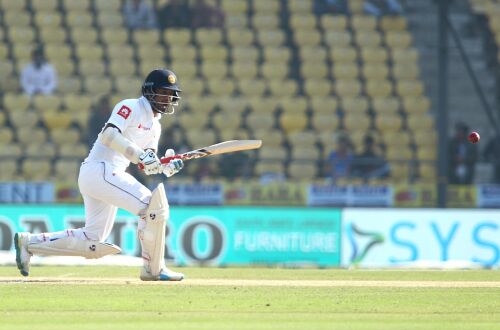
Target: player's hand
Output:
[
  {"x": 150, "y": 162},
  {"x": 173, "y": 166}
]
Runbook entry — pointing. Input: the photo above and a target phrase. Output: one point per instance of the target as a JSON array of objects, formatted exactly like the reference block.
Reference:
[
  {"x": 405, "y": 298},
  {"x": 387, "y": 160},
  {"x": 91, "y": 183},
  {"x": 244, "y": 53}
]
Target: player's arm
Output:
[{"x": 112, "y": 137}]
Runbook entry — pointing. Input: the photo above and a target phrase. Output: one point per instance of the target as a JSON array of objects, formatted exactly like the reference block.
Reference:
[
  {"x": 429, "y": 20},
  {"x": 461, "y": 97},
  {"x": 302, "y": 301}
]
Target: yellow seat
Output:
[
  {"x": 125, "y": 68},
  {"x": 94, "y": 68},
  {"x": 406, "y": 88},
  {"x": 269, "y": 137},
  {"x": 67, "y": 85},
  {"x": 113, "y": 36},
  {"x": 13, "y": 6},
  {"x": 239, "y": 134},
  {"x": 79, "y": 19},
  {"x": 21, "y": 34},
  {"x": 425, "y": 138},
  {"x": 368, "y": 38},
  {"x": 214, "y": 70},
  {"x": 265, "y": 21},
  {"x": 236, "y": 21},
  {"x": 348, "y": 87},
  {"x": 375, "y": 55},
  {"x": 393, "y": 23},
  {"x": 335, "y": 38},
  {"x": 385, "y": 105},
  {"x": 265, "y": 6},
  {"x": 375, "y": 71},
  {"x": 213, "y": 53},
  {"x": 302, "y": 171},
  {"x": 107, "y": 5},
  {"x": 378, "y": 88},
  {"x": 386, "y": 122},
  {"x": 59, "y": 120},
  {"x": 305, "y": 153},
  {"x": 225, "y": 87},
  {"x": 88, "y": 52},
  {"x": 314, "y": 69},
  {"x": 40, "y": 150},
  {"x": 47, "y": 19},
  {"x": 151, "y": 53},
  {"x": 283, "y": 88},
  {"x": 57, "y": 52},
  {"x": 262, "y": 120},
  {"x": 326, "y": 104},
  {"x": 240, "y": 37},
  {"x": 302, "y": 21},
  {"x": 245, "y": 54},
  {"x": 356, "y": 121},
  {"x": 128, "y": 85},
  {"x": 203, "y": 105},
  {"x": 354, "y": 105},
  {"x": 313, "y": 53},
  {"x": 199, "y": 139},
  {"x": 11, "y": 150},
  {"x": 416, "y": 105},
  {"x": 404, "y": 55},
  {"x": 9, "y": 169},
  {"x": 77, "y": 151},
  {"x": 343, "y": 55},
  {"x": 44, "y": 103},
  {"x": 243, "y": 70},
  {"x": 324, "y": 122},
  {"x": 76, "y": 5},
  {"x": 307, "y": 38},
  {"x": 6, "y": 135},
  {"x": 398, "y": 39},
  {"x": 119, "y": 51},
  {"x": 14, "y": 102},
  {"x": 177, "y": 37},
  {"x": 399, "y": 153},
  {"x": 333, "y": 22},
  {"x": 396, "y": 138},
  {"x": 317, "y": 87},
  {"x": 84, "y": 37},
  {"x": 400, "y": 171},
  {"x": 113, "y": 20},
  {"x": 269, "y": 167},
  {"x": 98, "y": 85},
  {"x": 252, "y": 87},
  {"x": 29, "y": 135},
  {"x": 75, "y": 103},
  {"x": 184, "y": 53},
  {"x": 406, "y": 71},
  {"x": 24, "y": 119},
  {"x": 233, "y": 104},
  {"x": 346, "y": 71},
  {"x": 276, "y": 54},
  {"x": 427, "y": 172},
  {"x": 272, "y": 153},
  {"x": 292, "y": 122},
  {"x": 420, "y": 122},
  {"x": 270, "y": 37},
  {"x": 302, "y": 139},
  {"x": 363, "y": 23},
  {"x": 234, "y": 6},
  {"x": 36, "y": 169},
  {"x": 274, "y": 70},
  {"x": 66, "y": 170},
  {"x": 205, "y": 37},
  {"x": 193, "y": 120},
  {"x": 53, "y": 36},
  {"x": 146, "y": 37},
  {"x": 65, "y": 135},
  {"x": 427, "y": 153},
  {"x": 266, "y": 105},
  {"x": 227, "y": 120},
  {"x": 14, "y": 18}
]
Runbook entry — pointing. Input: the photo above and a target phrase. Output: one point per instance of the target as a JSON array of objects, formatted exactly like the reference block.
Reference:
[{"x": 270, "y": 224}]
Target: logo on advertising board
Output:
[{"x": 383, "y": 238}]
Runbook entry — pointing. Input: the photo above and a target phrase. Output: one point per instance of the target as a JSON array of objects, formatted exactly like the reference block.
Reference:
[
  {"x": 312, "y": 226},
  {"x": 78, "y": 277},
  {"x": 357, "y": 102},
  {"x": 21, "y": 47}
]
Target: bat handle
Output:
[{"x": 163, "y": 160}]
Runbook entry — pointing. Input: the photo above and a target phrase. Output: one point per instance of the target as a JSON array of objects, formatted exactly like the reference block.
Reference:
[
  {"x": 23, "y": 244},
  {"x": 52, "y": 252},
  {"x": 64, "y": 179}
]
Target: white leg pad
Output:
[
  {"x": 151, "y": 231},
  {"x": 71, "y": 246}
]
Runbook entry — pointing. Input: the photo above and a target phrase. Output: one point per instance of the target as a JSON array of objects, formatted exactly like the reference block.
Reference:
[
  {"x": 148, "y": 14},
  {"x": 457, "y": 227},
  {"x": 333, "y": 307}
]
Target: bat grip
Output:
[{"x": 163, "y": 160}]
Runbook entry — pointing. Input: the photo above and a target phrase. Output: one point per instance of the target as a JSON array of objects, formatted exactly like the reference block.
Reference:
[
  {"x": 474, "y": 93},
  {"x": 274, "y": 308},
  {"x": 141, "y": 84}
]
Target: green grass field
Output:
[{"x": 92, "y": 297}]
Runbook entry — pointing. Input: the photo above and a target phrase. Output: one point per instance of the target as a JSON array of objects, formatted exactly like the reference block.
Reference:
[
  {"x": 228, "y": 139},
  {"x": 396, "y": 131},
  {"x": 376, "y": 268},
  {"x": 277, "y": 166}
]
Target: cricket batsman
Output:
[{"x": 130, "y": 135}]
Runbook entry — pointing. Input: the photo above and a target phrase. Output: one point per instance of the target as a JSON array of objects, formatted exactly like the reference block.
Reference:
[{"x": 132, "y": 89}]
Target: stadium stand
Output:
[{"x": 276, "y": 71}]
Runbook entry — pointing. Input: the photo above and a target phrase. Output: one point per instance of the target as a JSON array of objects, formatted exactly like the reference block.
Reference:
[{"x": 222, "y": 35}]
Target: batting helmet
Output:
[{"x": 162, "y": 91}]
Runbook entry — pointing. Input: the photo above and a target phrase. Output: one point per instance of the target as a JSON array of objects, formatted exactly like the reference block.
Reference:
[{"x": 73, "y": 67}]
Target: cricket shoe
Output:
[
  {"x": 165, "y": 275},
  {"x": 23, "y": 256}
]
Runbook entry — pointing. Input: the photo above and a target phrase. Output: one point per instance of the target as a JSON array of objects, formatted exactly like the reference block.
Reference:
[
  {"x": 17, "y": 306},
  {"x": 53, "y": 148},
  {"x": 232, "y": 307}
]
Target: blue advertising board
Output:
[{"x": 205, "y": 235}]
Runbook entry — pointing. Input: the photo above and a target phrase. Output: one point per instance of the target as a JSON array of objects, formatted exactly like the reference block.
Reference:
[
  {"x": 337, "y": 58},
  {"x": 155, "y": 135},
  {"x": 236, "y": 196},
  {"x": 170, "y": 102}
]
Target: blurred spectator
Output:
[
  {"x": 206, "y": 16},
  {"x": 368, "y": 164},
  {"x": 339, "y": 163},
  {"x": 39, "y": 76},
  {"x": 382, "y": 7},
  {"x": 139, "y": 15},
  {"x": 330, "y": 7},
  {"x": 175, "y": 13},
  {"x": 99, "y": 116},
  {"x": 491, "y": 153},
  {"x": 462, "y": 156}
]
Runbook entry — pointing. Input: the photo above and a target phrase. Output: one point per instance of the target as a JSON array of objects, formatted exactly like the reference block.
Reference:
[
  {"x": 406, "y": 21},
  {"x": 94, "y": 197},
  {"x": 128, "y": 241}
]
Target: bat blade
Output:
[{"x": 216, "y": 149}]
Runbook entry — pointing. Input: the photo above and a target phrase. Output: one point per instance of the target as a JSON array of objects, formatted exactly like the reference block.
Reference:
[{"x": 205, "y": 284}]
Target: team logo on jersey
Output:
[
  {"x": 124, "y": 111},
  {"x": 171, "y": 78}
]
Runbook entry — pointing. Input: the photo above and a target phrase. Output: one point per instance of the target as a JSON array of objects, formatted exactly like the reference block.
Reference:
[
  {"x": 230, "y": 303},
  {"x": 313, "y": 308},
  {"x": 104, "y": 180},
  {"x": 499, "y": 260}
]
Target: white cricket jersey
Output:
[{"x": 136, "y": 121}]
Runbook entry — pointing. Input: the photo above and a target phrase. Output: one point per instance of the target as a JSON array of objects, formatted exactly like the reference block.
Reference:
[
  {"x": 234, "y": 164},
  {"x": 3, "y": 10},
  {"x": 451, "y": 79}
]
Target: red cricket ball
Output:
[{"x": 474, "y": 137}]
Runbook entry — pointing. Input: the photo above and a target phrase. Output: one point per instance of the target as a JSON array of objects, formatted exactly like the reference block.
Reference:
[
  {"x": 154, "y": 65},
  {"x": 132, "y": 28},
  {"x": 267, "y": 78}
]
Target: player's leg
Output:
[
  {"x": 151, "y": 233},
  {"x": 101, "y": 189}
]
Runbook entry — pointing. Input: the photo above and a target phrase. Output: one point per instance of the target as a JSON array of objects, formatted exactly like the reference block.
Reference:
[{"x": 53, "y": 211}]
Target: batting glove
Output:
[
  {"x": 150, "y": 162},
  {"x": 173, "y": 166}
]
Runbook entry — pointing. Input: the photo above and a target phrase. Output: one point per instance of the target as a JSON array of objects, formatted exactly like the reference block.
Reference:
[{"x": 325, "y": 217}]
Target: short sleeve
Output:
[{"x": 122, "y": 116}]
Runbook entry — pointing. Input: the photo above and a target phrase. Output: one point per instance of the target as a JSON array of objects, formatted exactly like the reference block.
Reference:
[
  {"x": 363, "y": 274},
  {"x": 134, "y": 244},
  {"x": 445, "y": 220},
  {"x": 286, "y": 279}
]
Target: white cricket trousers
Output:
[{"x": 104, "y": 190}]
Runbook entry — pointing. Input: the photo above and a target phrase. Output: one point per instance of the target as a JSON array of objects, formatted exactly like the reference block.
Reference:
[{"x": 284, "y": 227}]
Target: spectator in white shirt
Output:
[
  {"x": 39, "y": 76},
  {"x": 139, "y": 15}
]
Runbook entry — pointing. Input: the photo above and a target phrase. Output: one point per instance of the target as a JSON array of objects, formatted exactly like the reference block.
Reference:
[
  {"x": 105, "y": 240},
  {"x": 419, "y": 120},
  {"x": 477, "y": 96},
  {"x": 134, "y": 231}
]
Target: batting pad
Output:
[
  {"x": 151, "y": 231},
  {"x": 71, "y": 246}
]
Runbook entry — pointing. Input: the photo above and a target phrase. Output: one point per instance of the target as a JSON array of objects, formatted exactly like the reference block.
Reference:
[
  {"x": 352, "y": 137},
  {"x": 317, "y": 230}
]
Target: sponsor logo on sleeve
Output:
[{"x": 124, "y": 111}]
